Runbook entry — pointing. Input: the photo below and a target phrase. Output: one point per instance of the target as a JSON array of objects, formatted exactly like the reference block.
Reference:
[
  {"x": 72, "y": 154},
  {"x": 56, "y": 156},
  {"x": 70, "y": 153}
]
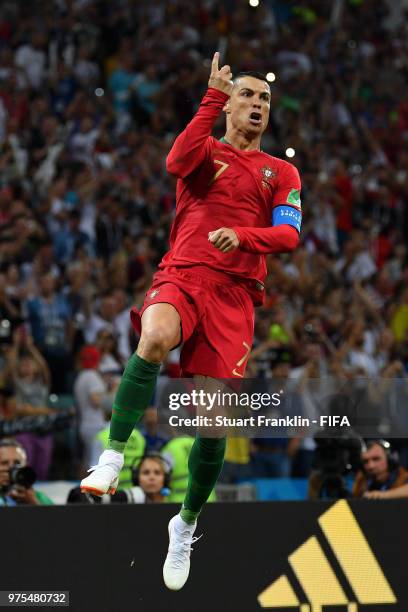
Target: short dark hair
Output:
[{"x": 251, "y": 73}]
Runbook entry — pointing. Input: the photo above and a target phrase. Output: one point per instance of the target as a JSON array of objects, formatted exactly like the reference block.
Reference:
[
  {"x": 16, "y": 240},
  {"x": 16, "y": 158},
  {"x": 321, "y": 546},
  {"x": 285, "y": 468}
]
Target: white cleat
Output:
[
  {"x": 104, "y": 477},
  {"x": 177, "y": 565}
]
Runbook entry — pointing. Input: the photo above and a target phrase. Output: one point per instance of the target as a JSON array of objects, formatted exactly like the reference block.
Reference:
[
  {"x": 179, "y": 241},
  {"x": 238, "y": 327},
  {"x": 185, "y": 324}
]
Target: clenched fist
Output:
[
  {"x": 220, "y": 79},
  {"x": 224, "y": 239}
]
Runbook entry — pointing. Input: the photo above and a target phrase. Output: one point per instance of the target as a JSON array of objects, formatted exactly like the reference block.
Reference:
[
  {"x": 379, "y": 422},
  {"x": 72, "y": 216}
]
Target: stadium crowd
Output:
[{"x": 92, "y": 94}]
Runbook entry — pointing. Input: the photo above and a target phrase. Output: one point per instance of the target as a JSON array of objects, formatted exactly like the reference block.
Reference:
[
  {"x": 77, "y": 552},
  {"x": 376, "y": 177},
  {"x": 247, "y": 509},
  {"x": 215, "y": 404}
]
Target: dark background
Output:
[{"x": 89, "y": 551}]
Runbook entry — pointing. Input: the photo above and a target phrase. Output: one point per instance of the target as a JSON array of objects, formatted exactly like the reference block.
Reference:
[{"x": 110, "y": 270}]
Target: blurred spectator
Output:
[
  {"x": 70, "y": 238},
  {"x": 111, "y": 363},
  {"x": 356, "y": 264},
  {"x": 49, "y": 316},
  {"x": 150, "y": 430},
  {"x": 120, "y": 83},
  {"x": 399, "y": 321},
  {"x": 31, "y": 378},
  {"x": 31, "y": 57},
  {"x": 86, "y": 70},
  {"x": 89, "y": 392},
  {"x": 147, "y": 87},
  {"x": 110, "y": 228},
  {"x": 272, "y": 457},
  {"x": 176, "y": 452},
  {"x": 10, "y": 310},
  {"x": 122, "y": 324},
  {"x": 104, "y": 319}
]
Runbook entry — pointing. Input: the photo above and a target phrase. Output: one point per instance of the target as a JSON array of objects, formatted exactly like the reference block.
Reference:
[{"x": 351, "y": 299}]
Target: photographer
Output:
[
  {"x": 16, "y": 478},
  {"x": 381, "y": 477}
]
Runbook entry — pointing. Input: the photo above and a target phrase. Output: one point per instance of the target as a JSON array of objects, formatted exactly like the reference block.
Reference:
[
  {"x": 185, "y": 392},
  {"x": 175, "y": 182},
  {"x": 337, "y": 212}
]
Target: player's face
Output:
[
  {"x": 151, "y": 476},
  {"x": 249, "y": 105}
]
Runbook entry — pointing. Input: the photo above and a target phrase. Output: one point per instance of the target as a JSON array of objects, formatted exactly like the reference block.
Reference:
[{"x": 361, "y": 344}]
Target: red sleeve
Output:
[
  {"x": 188, "y": 150},
  {"x": 265, "y": 240},
  {"x": 288, "y": 188}
]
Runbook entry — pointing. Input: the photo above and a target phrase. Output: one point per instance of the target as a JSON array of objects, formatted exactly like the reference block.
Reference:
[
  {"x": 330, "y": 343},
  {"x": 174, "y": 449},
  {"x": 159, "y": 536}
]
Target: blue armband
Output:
[{"x": 287, "y": 215}]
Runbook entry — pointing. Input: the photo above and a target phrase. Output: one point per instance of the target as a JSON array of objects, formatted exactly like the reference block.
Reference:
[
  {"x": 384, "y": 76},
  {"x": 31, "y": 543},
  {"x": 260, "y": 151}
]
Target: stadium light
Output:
[
  {"x": 254, "y": 3},
  {"x": 270, "y": 77},
  {"x": 290, "y": 152}
]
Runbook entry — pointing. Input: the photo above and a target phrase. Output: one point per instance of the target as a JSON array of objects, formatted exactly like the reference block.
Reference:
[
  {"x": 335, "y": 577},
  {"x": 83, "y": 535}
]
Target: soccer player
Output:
[{"x": 235, "y": 205}]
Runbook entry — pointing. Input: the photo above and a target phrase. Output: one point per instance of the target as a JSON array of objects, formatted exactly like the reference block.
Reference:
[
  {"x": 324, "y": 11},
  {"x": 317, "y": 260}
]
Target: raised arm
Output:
[
  {"x": 189, "y": 148},
  {"x": 39, "y": 359}
]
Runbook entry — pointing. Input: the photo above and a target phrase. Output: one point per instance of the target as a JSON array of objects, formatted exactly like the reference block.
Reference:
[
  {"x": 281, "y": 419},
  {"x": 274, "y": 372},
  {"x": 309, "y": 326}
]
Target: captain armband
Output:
[{"x": 287, "y": 215}]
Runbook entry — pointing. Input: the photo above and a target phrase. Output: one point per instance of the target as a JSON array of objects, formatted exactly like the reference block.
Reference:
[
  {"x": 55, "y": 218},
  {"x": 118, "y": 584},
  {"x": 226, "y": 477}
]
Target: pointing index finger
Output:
[{"x": 214, "y": 63}]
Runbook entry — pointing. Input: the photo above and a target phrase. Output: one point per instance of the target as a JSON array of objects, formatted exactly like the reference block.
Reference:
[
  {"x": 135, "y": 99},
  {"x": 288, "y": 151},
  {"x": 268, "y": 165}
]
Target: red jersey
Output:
[{"x": 221, "y": 186}]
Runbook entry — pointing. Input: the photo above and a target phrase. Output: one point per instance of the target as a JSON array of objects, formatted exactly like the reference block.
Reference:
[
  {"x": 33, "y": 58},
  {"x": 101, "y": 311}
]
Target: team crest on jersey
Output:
[
  {"x": 153, "y": 294},
  {"x": 267, "y": 175}
]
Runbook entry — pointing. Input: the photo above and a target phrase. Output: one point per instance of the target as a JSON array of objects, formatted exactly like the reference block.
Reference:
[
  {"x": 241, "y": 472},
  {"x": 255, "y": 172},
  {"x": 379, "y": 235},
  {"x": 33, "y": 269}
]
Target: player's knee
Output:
[{"x": 155, "y": 342}]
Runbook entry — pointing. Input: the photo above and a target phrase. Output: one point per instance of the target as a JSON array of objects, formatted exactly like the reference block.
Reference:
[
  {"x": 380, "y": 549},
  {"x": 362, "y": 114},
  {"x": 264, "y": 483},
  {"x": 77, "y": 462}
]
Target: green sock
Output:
[
  {"x": 131, "y": 400},
  {"x": 204, "y": 465}
]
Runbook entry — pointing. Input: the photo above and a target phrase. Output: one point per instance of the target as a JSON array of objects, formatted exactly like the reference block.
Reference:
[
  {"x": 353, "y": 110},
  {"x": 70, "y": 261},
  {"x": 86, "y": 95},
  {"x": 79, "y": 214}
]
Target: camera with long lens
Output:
[
  {"x": 22, "y": 476},
  {"x": 334, "y": 459},
  {"x": 337, "y": 453}
]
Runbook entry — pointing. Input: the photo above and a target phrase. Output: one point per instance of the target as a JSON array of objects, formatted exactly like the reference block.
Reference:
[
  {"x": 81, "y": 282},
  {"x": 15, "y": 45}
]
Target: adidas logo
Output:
[{"x": 318, "y": 579}]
